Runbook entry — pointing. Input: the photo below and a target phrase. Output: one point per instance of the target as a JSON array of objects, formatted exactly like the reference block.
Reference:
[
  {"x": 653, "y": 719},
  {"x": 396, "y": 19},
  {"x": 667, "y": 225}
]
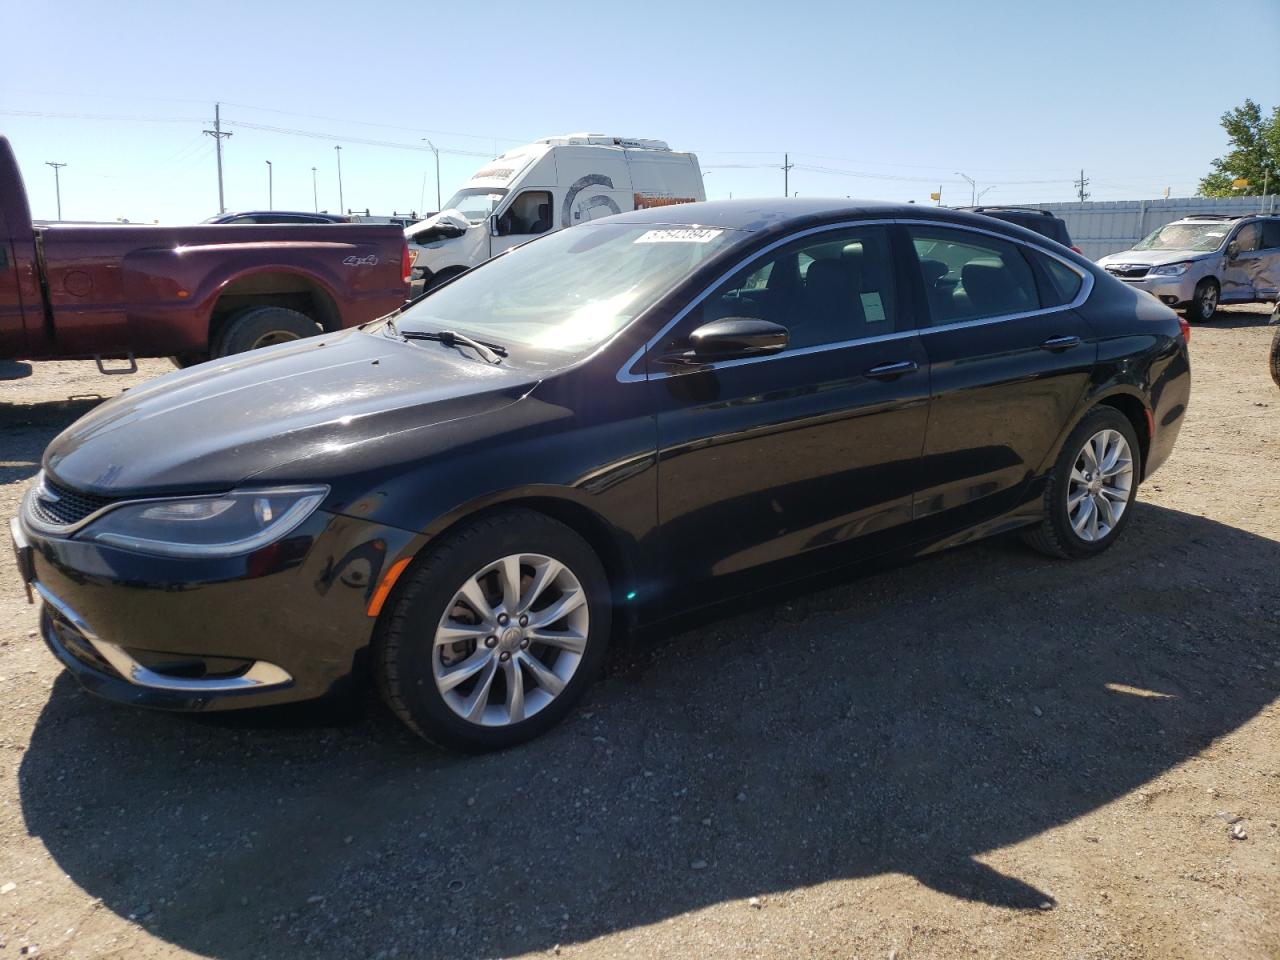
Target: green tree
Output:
[{"x": 1254, "y": 156}]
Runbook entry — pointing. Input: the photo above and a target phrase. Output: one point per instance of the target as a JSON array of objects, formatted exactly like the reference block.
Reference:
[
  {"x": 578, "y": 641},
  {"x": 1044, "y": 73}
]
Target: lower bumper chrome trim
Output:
[{"x": 260, "y": 676}]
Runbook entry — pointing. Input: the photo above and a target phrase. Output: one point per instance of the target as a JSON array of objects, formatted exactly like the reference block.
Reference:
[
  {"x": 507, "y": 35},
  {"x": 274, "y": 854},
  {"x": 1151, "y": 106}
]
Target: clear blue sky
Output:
[{"x": 1017, "y": 94}]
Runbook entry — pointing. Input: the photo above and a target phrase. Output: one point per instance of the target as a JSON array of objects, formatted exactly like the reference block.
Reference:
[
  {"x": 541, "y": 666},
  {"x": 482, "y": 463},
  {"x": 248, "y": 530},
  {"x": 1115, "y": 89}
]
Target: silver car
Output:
[{"x": 1201, "y": 262}]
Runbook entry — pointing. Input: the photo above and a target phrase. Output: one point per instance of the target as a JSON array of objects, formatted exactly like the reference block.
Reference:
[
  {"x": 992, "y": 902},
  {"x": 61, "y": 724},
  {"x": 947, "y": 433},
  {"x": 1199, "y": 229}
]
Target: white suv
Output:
[{"x": 1200, "y": 262}]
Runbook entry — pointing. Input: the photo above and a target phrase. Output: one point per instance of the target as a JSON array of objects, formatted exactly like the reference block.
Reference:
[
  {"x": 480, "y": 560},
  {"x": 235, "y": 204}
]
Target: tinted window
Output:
[
  {"x": 824, "y": 289},
  {"x": 1062, "y": 284},
  {"x": 970, "y": 276},
  {"x": 1271, "y": 234}
]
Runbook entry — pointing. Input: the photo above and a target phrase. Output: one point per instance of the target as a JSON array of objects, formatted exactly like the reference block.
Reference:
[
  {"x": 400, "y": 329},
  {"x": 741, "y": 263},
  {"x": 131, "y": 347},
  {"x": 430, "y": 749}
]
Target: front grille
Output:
[
  {"x": 1128, "y": 271},
  {"x": 57, "y": 506}
]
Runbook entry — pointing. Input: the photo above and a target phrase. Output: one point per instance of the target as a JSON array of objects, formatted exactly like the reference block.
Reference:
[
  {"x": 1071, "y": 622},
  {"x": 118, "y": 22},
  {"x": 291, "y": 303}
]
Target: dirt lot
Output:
[{"x": 983, "y": 754}]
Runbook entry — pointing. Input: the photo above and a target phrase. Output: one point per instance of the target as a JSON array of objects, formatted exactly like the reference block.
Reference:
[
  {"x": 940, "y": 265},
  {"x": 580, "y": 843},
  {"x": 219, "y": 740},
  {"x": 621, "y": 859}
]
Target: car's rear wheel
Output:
[
  {"x": 1204, "y": 302},
  {"x": 496, "y": 633},
  {"x": 1091, "y": 489},
  {"x": 266, "y": 326}
]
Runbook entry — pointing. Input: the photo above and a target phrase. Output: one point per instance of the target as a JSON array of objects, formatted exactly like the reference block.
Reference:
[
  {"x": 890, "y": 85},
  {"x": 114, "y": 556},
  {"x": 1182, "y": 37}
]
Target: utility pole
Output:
[
  {"x": 434, "y": 149},
  {"x": 271, "y": 201},
  {"x": 218, "y": 134},
  {"x": 57, "y": 184},
  {"x": 341, "y": 202},
  {"x": 973, "y": 189},
  {"x": 1080, "y": 185},
  {"x": 315, "y": 194},
  {"x": 786, "y": 171}
]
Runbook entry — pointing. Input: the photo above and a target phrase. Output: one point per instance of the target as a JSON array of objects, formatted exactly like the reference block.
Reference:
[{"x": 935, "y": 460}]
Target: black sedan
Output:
[{"x": 592, "y": 433}]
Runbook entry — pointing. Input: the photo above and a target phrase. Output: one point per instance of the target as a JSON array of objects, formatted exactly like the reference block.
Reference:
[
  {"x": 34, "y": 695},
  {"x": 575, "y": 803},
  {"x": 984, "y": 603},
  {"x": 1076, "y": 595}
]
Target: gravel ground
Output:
[{"x": 985, "y": 753}]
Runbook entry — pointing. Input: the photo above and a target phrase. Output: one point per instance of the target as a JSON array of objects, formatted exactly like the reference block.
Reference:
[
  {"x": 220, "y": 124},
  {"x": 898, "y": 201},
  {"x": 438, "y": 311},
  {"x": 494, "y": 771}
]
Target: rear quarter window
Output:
[{"x": 1063, "y": 283}]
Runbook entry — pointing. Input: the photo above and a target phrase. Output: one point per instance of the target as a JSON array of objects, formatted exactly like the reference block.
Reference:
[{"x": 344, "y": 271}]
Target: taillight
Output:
[
  {"x": 406, "y": 262},
  {"x": 1186, "y": 328}
]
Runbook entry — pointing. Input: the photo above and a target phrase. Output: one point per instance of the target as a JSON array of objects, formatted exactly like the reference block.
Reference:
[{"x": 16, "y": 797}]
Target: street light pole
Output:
[
  {"x": 984, "y": 192},
  {"x": 341, "y": 203},
  {"x": 57, "y": 183},
  {"x": 436, "y": 151},
  {"x": 315, "y": 195},
  {"x": 271, "y": 201},
  {"x": 973, "y": 189}
]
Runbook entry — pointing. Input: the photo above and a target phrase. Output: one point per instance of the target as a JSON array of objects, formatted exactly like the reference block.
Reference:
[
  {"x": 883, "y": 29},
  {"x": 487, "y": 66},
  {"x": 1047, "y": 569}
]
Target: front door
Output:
[
  {"x": 529, "y": 214},
  {"x": 1008, "y": 362},
  {"x": 810, "y": 453},
  {"x": 1252, "y": 268}
]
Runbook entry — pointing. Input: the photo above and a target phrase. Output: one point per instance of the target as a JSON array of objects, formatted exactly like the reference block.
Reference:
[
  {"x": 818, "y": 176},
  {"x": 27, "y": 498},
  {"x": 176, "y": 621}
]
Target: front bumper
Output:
[
  {"x": 1170, "y": 291},
  {"x": 288, "y": 622}
]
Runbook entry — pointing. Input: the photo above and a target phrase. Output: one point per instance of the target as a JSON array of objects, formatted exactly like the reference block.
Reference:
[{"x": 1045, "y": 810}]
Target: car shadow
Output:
[
  {"x": 908, "y": 721},
  {"x": 27, "y": 428},
  {"x": 1228, "y": 318}
]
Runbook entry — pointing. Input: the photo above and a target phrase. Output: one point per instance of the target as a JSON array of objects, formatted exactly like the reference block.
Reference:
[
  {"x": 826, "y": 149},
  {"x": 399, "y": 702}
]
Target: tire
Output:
[
  {"x": 413, "y": 668},
  {"x": 184, "y": 360},
  {"x": 253, "y": 327},
  {"x": 443, "y": 277},
  {"x": 1056, "y": 535},
  {"x": 1204, "y": 302},
  {"x": 1275, "y": 351}
]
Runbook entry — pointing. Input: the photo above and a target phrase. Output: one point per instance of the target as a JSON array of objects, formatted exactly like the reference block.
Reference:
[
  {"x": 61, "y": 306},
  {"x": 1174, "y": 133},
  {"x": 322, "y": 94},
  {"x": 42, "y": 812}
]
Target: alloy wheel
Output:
[
  {"x": 1208, "y": 302},
  {"x": 1101, "y": 483},
  {"x": 510, "y": 640},
  {"x": 271, "y": 339}
]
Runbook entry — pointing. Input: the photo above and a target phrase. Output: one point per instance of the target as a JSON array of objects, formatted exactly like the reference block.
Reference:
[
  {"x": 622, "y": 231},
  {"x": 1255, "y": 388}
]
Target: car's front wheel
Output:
[
  {"x": 1275, "y": 348},
  {"x": 1204, "y": 302},
  {"x": 497, "y": 632},
  {"x": 1092, "y": 487}
]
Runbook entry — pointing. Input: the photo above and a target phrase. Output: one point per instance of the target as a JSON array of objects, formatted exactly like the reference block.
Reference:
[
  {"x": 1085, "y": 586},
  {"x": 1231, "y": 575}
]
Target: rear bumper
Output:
[{"x": 286, "y": 623}]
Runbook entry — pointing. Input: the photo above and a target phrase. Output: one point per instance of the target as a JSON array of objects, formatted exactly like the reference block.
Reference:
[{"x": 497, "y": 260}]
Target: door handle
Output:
[
  {"x": 887, "y": 371},
  {"x": 1061, "y": 343}
]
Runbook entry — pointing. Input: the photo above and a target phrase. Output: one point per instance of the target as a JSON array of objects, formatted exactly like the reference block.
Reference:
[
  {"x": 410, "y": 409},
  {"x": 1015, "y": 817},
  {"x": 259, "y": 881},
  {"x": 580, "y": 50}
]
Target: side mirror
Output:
[
  {"x": 1233, "y": 250},
  {"x": 735, "y": 337},
  {"x": 493, "y": 225}
]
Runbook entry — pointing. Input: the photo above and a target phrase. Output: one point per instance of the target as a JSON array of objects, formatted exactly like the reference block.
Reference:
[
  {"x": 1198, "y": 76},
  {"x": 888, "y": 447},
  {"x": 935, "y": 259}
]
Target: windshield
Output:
[
  {"x": 476, "y": 203},
  {"x": 1186, "y": 236},
  {"x": 569, "y": 290}
]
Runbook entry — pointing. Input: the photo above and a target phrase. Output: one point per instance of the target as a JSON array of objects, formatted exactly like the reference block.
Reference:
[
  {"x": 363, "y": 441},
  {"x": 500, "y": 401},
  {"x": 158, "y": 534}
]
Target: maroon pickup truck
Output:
[{"x": 96, "y": 292}]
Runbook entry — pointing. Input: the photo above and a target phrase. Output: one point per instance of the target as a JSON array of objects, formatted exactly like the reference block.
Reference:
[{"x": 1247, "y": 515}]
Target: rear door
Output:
[
  {"x": 1009, "y": 360},
  {"x": 800, "y": 453}
]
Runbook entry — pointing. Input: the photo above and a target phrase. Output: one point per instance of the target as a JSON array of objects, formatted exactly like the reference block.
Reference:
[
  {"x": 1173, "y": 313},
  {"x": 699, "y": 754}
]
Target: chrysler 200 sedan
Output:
[{"x": 590, "y": 434}]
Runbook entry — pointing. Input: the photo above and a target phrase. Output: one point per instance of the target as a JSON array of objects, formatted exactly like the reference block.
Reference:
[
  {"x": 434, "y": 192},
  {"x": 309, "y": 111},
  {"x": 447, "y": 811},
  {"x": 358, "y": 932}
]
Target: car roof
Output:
[{"x": 788, "y": 213}]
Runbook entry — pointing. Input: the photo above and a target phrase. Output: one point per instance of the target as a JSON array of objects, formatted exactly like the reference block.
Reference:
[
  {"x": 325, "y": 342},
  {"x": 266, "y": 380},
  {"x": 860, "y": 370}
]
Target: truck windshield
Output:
[
  {"x": 571, "y": 289},
  {"x": 1185, "y": 236},
  {"x": 477, "y": 203}
]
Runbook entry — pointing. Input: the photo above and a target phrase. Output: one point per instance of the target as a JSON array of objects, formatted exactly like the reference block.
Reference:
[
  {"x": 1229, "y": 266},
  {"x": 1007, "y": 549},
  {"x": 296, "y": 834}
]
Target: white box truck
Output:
[{"x": 553, "y": 183}]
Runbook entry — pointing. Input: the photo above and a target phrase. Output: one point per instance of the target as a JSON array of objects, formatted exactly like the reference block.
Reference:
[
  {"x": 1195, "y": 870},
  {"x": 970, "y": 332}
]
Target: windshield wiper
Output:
[{"x": 491, "y": 352}]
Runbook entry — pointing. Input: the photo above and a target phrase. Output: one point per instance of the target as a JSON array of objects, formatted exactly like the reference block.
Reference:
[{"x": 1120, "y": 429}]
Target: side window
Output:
[
  {"x": 1248, "y": 238},
  {"x": 1271, "y": 234},
  {"x": 828, "y": 288},
  {"x": 1063, "y": 283},
  {"x": 971, "y": 276},
  {"x": 529, "y": 214}
]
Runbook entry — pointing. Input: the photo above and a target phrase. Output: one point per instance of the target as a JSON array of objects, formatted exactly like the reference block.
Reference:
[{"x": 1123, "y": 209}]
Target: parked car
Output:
[
  {"x": 278, "y": 216},
  {"x": 1275, "y": 345},
  {"x": 1043, "y": 222},
  {"x": 544, "y": 186},
  {"x": 71, "y": 292},
  {"x": 1198, "y": 263},
  {"x": 591, "y": 434}
]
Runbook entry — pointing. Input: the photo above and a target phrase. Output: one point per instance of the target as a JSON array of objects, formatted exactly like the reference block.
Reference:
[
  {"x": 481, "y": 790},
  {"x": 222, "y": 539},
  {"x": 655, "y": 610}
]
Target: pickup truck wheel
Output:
[
  {"x": 443, "y": 277},
  {"x": 184, "y": 360},
  {"x": 255, "y": 327}
]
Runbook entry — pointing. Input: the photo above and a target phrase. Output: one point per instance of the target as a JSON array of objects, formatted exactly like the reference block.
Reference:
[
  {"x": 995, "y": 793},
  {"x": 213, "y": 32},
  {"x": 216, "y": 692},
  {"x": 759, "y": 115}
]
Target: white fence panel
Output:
[{"x": 1109, "y": 226}]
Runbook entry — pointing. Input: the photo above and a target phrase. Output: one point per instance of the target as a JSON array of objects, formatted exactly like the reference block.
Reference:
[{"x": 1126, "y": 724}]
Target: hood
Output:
[
  {"x": 441, "y": 226},
  {"x": 298, "y": 411},
  {"x": 1152, "y": 258}
]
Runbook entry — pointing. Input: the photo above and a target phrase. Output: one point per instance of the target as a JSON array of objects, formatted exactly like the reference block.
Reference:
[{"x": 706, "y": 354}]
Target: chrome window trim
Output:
[{"x": 625, "y": 374}]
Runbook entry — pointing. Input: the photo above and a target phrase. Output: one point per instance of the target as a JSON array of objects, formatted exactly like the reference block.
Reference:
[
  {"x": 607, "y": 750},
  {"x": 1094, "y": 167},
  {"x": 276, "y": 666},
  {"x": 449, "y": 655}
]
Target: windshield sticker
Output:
[
  {"x": 686, "y": 235},
  {"x": 873, "y": 307}
]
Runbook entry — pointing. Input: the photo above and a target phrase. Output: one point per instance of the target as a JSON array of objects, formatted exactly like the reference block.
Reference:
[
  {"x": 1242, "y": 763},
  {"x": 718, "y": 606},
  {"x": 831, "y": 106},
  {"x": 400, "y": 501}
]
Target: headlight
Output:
[
  {"x": 1170, "y": 270},
  {"x": 219, "y": 526}
]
